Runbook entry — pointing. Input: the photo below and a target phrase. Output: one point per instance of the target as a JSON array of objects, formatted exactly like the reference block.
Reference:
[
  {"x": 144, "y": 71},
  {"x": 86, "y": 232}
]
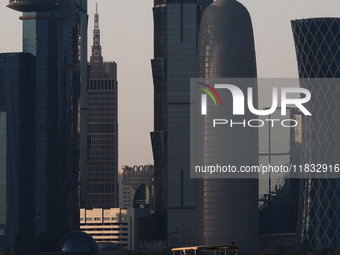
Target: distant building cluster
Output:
[{"x": 60, "y": 187}]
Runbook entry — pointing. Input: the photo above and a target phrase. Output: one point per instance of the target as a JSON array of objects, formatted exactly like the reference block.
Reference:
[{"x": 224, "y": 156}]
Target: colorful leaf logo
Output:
[{"x": 209, "y": 93}]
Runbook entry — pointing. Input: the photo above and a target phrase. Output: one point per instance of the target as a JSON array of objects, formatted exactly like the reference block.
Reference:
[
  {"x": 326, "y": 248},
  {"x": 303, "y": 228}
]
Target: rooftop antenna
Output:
[{"x": 96, "y": 8}]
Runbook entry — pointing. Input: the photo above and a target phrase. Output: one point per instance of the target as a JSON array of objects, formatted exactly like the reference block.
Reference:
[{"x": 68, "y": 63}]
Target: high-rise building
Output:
[
  {"x": 102, "y": 179},
  {"x": 17, "y": 93},
  {"x": 47, "y": 181},
  {"x": 175, "y": 46},
  {"x": 317, "y": 44},
  {"x": 227, "y": 208}
]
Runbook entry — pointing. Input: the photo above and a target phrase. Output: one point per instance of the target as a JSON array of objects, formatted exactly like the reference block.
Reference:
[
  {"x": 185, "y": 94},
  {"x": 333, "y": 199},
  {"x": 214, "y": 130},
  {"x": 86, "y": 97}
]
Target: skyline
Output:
[{"x": 127, "y": 39}]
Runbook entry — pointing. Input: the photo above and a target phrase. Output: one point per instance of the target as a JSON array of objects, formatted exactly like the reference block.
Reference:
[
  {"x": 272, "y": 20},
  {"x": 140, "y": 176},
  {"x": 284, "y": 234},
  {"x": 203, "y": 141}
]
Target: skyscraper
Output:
[
  {"x": 227, "y": 208},
  {"x": 17, "y": 93},
  {"x": 175, "y": 46},
  {"x": 55, "y": 32},
  {"x": 102, "y": 180},
  {"x": 317, "y": 44}
]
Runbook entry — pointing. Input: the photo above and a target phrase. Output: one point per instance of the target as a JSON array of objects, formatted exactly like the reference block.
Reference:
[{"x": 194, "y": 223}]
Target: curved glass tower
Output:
[
  {"x": 227, "y": 208},
  {"x": 317, "y": 44}
]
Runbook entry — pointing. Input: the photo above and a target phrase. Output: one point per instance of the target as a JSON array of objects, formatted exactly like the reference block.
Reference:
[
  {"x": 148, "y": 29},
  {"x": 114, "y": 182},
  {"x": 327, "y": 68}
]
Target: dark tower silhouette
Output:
[
  {"x": 55, "y": 33},
  {"x": 175, "y": 46},
  {"x": 102, "y": 179}
]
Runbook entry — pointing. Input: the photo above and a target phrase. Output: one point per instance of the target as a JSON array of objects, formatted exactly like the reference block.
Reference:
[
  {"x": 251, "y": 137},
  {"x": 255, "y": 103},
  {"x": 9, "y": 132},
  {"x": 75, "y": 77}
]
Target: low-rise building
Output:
[{"x": 115, "y": 225}]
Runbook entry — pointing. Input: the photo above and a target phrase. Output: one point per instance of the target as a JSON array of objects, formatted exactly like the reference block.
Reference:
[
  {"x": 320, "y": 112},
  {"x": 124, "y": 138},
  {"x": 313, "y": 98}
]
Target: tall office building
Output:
[
  {"x": 17, "y": 100},
  {"x": 227, "y": 208},
  {"x": 317, "y": 44},
  {"x": 55, "y": 32},
  {"x": 175, "y": 46},
  {"x": 102, "y": 180}
]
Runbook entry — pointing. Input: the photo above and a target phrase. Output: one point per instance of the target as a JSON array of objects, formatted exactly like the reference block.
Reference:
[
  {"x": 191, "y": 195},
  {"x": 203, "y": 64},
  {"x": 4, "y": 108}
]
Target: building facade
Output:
[
  {"x": 136, "y": 187},
  {"x": 317, "y": 45},
  {"x": 175, "y": 47},
  {"x": 116, "y": 226},
  {"x": 101, "y": 186},
  {"x": 55, "y": 33},
  {"x": 3, "y": 208},
  {"x": 278, "y": 193},
  {"x": 3, "y": 166},
  {"x": 227, "y": 208},
  {"x": 18, "y": 151},
  {"x": 17, "y": 87}
]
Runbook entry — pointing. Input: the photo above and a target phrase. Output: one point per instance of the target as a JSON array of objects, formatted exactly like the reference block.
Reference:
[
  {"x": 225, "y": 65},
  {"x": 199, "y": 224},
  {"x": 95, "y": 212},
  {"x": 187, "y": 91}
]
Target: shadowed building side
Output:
[
  {"x": 175, "y": 47},
  {"x": 102, "y": 179},
  {"x": 17, "y": 101},
  {"x": 57, "y": 38}
]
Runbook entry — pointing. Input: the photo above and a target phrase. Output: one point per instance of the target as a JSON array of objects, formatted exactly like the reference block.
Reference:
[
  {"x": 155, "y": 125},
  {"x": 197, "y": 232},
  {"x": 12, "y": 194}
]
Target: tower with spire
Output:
[
  {"x": 96, "y": 48},
  {"x": 101, "y": 189}
]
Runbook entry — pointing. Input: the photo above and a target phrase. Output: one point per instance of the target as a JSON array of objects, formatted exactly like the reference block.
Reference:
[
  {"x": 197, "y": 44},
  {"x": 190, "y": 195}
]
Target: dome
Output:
[
  {"x": 33, "y": 5},
  {"x": 78, "y": 242},
  {"x": 226, "y": 36}
]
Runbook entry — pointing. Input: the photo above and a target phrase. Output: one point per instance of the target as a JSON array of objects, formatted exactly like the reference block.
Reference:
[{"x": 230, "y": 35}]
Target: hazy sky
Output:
[{"x": 127, "y": 38}]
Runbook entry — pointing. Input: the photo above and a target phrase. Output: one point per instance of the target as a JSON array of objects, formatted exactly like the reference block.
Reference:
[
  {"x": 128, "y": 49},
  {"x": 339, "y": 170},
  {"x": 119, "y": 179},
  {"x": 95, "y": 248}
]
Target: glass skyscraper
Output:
[
  {"x": 227, "y": 208},
  {"x": 175, "y": 46},
  {"x": 55, "y": 33},
  {"x": 102, "y": 179},
  {"x": 317, "y": 44},
  {"x": 18, "y": 146}
]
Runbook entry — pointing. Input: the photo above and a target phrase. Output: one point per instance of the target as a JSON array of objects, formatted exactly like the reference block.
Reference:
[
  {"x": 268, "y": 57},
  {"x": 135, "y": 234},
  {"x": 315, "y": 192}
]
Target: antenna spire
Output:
[{"x": 96, "y": 48}]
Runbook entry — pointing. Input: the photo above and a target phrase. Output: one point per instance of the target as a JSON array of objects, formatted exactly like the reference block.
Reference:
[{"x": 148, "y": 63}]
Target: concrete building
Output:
[{"x": 117, "y": 226}]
